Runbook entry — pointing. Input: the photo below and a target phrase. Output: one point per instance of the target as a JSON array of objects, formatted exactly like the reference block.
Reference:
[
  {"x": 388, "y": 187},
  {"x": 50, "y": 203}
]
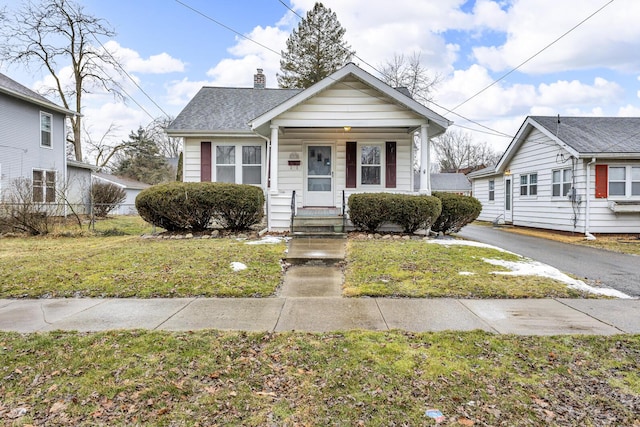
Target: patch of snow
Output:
[
  {"x": 266, "y": 240},
  {"x": 466, "y": 273},
  {"x": 529, "y": 267},
  {"x": 448, "y": 242},
  {"x": 238, "y": 266}
]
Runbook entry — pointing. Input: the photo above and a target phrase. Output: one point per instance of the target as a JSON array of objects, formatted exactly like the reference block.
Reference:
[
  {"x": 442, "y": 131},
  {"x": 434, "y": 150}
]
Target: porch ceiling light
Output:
[{"x": 347, "y": 128}]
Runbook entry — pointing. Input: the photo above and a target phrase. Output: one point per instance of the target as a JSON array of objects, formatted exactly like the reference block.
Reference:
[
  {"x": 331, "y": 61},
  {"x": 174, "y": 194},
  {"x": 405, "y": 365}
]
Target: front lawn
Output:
[
  {"x": 128, "y": 266},
  {"x": 354, "y": 378},
  {"x": 420, "y": 269}
]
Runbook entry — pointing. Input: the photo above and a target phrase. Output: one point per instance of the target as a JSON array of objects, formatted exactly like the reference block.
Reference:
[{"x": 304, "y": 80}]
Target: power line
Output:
[
  {"x": 117, "y": 63},
  {"x": 226, "y": 27},
  {"x": 532, "y": 56}
]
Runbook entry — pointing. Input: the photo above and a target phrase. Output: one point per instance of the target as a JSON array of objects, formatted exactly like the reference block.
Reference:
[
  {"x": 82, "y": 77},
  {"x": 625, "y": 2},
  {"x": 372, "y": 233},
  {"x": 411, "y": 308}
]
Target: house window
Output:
[
  {"x": 492, "y": 190},
  {"x": 44, "y": 186},
  {"x": 529, "y": 184},
  {"x": 624, "y": 181},
  {"x": 245, "y": 168},
  {"x": 370, "y": 165},
  {"x": 226, "y": 163},
  {"x": 45, "y": 129},
  {"x": 251, "y": 164},
  {"x": 561, "y": 182}
]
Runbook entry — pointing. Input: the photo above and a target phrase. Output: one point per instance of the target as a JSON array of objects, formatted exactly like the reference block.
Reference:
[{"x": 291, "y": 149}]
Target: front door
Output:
[
  {"x": 319, "y": 176},
  {"x": 508, "y": 212}
]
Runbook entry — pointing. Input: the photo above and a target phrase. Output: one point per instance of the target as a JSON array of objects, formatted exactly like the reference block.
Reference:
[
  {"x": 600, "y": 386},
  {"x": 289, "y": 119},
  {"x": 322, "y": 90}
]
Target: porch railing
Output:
[
  {"x": 293, "y": 208},
  {"x": 344, "y": 212}
]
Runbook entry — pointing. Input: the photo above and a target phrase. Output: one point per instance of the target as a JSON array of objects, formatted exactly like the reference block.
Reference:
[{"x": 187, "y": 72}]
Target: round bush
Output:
[
  {"x": 457, "y": 211},
  {"x": 194, "y": 205},
  {"x": 368, "y": 211}
]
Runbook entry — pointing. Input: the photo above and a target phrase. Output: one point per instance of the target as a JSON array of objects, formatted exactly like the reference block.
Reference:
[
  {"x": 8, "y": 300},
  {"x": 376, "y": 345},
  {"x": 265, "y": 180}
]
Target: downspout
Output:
[
  {"x": 266, "y": 179},
  {"x": 587, "y": 218}
]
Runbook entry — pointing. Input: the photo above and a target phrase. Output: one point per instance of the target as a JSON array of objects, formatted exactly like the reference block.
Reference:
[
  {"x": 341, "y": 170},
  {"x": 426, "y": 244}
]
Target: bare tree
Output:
[
  {"x": 457, "y": 151},
  {"x": 104, "y": 149},
  {"x": 408, "y": 72},
  {"x": 157, "y": 130},
  {"x": 58, "y": 33}
]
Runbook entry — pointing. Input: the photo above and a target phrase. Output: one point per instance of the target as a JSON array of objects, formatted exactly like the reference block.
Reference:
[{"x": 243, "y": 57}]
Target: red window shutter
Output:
[
  {"x": 390, "y": 167},
  {"x": 602, "y": 181},
  {"x": 205, "y": 162},
  {"x": 352, "y": 164}
]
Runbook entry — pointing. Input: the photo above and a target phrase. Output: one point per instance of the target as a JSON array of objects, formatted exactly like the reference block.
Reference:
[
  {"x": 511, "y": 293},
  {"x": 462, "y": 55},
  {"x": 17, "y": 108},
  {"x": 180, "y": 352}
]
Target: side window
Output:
[
  {"x": 492, "y": 190},
  {"x": 617, "y": 182},
  {"x": 529, "y": 184},
  {"x": 44, "y": 186},
  {"x": 226, "y": 163},
  {"x": 370, "y": 165},
  {"x": 561, "y": 182},
  {"x": 252, "y": 164},
  {"x": 45, "y": 129},
  {"x": 635, "y": 181}
]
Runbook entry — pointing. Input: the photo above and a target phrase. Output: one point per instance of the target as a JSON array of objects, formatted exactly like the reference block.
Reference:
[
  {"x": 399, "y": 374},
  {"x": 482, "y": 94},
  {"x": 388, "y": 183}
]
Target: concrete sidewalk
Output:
[{"x": 320, "y": 314}]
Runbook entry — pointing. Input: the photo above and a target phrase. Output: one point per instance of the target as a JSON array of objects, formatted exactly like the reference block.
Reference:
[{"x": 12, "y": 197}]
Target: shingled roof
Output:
[
  {"x": 223, "y": 109},
  {"x": 593, "y": 135},
  {"x": 15, "y": 89}
]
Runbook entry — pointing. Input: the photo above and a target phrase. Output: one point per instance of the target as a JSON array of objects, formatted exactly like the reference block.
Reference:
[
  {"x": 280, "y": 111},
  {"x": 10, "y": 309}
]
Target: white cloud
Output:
[
  {"x": 132, "y": 61},
  {"x": 605, "y": 40},
  {"x": 571, "y": 93}
]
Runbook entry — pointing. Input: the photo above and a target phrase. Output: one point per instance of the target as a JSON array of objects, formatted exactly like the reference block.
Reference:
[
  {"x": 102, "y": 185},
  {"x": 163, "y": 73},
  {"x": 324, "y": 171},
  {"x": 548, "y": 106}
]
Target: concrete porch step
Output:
[
  {"x": 318, "y": 224},
  {"x": 315, "y": 250}
]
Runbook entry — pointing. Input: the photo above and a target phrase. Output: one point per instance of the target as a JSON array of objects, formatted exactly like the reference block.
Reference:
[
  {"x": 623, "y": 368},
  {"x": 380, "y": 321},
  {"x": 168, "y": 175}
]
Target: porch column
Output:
[
  {"x": 425, "y": 160},
  {"x": 274, "y": 159}
]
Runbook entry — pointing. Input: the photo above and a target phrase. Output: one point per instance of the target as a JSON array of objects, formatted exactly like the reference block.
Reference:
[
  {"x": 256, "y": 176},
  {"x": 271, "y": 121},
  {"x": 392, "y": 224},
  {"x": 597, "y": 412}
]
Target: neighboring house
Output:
[
  {"x": 78, "y": 186},
  {"x": 456, "y": 183},
  {"x": 131, "y": 187},
  {"x": 308, "y": 149},
  {"x": 567, "y": 173},
  {"x": 32, "y": 142}
]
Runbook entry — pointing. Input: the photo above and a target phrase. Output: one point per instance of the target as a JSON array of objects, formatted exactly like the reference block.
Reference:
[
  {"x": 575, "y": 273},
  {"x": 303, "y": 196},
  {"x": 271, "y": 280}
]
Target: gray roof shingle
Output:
[
  {"x": 12, "y": 87},
  {"x": 595, "y": 134},
  {"x": 228, "y": 109},
  {"x": 125, "y": 182}
]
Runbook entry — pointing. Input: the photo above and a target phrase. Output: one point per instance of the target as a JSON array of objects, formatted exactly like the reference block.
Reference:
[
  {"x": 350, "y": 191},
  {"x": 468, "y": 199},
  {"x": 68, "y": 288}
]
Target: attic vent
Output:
[{"x": 259, "y": 80}]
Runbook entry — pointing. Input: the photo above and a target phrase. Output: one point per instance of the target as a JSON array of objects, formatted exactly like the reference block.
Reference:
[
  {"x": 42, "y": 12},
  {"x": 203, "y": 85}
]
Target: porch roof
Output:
[{"x": 261, "y": 123}]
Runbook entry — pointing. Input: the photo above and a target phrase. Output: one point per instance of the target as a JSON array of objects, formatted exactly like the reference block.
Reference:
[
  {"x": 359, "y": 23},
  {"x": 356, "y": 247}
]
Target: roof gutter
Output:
[{"x": 587, "y": 220}]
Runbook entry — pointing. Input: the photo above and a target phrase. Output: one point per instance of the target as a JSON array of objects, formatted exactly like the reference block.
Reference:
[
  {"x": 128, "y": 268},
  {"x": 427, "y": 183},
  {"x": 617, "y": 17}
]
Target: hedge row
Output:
[
  {"x": 195, "y": 205},
  {"x": 443, "y": 212},
  {"x": 368, "y": 211}
]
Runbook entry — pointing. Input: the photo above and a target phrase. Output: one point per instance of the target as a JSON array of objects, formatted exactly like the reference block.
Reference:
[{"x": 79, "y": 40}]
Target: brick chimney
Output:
[{"x": 259, "y": 80}]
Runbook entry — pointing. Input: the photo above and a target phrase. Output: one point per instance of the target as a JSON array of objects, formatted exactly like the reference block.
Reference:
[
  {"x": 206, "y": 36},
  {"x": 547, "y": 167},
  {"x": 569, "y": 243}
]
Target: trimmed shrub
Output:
[
  {"x": 413, "y": 213},
  {"x": 368, "y": 211},
  {"x": 238, "y": 207},
  {"x": 457, "y": 211},
  {"x": 106, "y": 197},
  {"x": 194, "y": 205}
]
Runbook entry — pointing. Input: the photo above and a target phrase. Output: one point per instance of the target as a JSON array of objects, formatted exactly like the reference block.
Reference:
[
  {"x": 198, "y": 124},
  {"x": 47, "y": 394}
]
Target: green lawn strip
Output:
[
  {"x": 419, "y": 269},
  {"x": 132, "y": 267},
  {"x": 256, "y": 379}
]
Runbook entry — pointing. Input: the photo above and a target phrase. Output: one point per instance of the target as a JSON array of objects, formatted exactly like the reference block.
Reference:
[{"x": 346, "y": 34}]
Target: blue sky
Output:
[{"x": 172, "y": 51}]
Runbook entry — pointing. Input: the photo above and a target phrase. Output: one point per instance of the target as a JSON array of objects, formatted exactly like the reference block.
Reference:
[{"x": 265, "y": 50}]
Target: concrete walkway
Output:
[
  {"x": 310, "y": 300},
  {"x": 321, "y": 314}
]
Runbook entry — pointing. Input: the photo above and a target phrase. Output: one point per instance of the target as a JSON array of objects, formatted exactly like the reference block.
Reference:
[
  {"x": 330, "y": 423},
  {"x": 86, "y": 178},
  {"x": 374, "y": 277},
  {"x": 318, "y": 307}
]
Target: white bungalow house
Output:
[
  {"x": 308, "y": 149},
  {"x": 566, "y": 173},
  {"x": 33, "y": 148}
]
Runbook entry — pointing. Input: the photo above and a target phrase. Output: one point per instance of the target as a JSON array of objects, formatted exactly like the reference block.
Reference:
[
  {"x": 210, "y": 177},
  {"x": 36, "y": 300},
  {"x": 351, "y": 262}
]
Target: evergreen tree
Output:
[
  {"x": 315, "y": 50},
  {"x": 141, "y": 160}
]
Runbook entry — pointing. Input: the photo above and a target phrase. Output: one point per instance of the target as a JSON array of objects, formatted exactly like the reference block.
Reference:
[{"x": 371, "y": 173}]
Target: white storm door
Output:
[
  {"x": 319, "y": 176},
  {"x": 508, "y": 201}
]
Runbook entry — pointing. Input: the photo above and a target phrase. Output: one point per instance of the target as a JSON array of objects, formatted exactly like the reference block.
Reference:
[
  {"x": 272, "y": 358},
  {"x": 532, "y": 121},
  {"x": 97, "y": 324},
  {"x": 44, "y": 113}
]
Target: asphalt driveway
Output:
[{"x": 594, "y": 266}]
